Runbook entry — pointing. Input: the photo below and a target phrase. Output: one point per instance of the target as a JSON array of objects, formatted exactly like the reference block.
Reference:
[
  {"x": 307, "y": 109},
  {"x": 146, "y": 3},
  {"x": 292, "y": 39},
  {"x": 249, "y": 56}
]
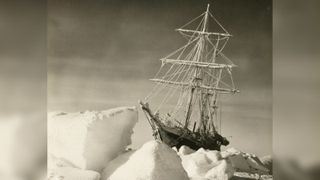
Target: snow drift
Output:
[
  {"x": 153, "y": 161},
  {"x": 219, "y": 165},
  {"x": 245, "y": 162},
  {"x": 69, "y": 173},
  {"x": 88, "y": 140},
  {"x": 205, "y": 164}
]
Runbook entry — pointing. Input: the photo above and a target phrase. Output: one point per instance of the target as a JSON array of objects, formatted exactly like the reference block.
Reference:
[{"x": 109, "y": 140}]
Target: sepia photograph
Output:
[
  {"x": 159, "y": 90},
  {"x": 183, "y": 86}
]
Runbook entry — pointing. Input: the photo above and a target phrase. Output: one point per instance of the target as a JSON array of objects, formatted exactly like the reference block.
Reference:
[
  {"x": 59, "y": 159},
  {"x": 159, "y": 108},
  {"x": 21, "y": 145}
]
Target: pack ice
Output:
[
  {"x": 208, "y": 164},
  {"x": 205, "y": 164},
  {"x": 153, "y": 161},
  {"x": 89, "y": 140},
  {"x": 91, "y": 146}
]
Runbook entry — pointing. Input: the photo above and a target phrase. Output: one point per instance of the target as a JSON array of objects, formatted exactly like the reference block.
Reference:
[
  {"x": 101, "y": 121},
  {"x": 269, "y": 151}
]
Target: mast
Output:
[
  {"x": 195, "y": 70},
  {"x": 195, "y": 77},
  {"x": 206, "y": 19}
]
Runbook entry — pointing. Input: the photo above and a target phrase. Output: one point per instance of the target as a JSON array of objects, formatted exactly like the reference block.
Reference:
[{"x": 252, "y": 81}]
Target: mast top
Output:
[{"x": 208, "y": 6}]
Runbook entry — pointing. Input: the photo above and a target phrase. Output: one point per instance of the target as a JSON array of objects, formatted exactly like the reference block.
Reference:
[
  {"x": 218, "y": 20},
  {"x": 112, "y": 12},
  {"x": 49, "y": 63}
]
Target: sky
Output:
[
  {"x": 101, "y": 54},
  {"x": 23, "y": 72}
]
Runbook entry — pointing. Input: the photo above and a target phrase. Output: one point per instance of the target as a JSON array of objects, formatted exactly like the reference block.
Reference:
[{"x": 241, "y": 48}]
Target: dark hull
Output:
[
  {"x": 177, "y": 136},
  {"x": 176, "y": 139}
]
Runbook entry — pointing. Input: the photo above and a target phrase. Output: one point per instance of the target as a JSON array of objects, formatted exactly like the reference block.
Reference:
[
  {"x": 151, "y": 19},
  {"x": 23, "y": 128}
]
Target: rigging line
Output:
[
  {"x": 224, "y": 44},
  {"x": 224, "y": 56},
  {"x": 190, "y": 39},
  {"x": 193, "y": 71},
  {"x": 208, "y": 54},
  {"x": 171, "y": 78},
  {"x": 186, "y": 36},
  {"x": 231, "y": 77},
  {"x": 217, "y": 79},
  {"x": 170, "y": 75},
  {"x": 179, "y": 75},
  {"x": 158, "y": 84},
  {"x": 157, "y": 90},
  {"x": 188, "y": 76},
  {"x": 174, "y": 52},
  {"x": 211, "y": 75},
  {"x": 169, "y": 94},
  {"x": 214, "y": 47},
  {"x": 192, "y": 20},
  {"x": 223, "y": 76},
  {"x": 218, "y": 22},
  {"x": 180, "y": 102},
  {"x": 197, "y": 28},
  {"x": 187, "y": 56},
  {"x": 192, "y": 53},
  {"x": 162, "y": 87},
  {"x": 184, "y": 92},
  {"x": 220, "y": 53},
  {"x": 220, "y": 50}
]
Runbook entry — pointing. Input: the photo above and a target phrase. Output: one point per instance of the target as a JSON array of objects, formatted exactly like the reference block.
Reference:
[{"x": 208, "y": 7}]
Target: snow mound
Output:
[
  {"x": 69, "y": 173},
  {"x": 245, "y": 162},
  {"x": 185, "y": 150},
  {"x": 267, "y": 162},
  {"x": 207, "y": 164},
  {"x": 153, "y": 161},
  {"x": 90, "y": 139}
]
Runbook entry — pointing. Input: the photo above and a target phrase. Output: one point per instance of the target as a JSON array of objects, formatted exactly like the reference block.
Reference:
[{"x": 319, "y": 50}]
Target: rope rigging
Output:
[{"x": 202, "y": 47}]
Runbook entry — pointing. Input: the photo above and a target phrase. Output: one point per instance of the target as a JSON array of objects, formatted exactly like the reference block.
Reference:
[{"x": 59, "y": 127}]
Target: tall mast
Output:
[
  {"x": 195, "y": 77},
  {"x": 206, "y": 19}
]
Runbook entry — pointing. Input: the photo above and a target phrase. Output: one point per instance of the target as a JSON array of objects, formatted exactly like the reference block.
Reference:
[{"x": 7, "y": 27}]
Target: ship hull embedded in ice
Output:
[
  {"x": 178, "y": 136},
  {"x": 176, "y": 139}
]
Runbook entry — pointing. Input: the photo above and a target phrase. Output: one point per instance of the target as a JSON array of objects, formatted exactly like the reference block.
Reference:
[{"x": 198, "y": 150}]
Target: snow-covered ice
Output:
[
  {"x": 206, "y": 164},
  {"x": 219, "y": 165},
  {"x": 69, "y": 173},
  {"x": 153, "y": 161},
  {"x": 185, "y": 150},
  {"x": 89, "y": 140},
  {"x": 91, "y": 146},
  {"x": 245, "y": 162}
]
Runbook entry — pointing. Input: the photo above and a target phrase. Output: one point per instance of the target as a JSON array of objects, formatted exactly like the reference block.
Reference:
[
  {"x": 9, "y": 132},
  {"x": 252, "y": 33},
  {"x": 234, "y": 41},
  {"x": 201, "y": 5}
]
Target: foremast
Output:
[{"x": 198, "y": 75}]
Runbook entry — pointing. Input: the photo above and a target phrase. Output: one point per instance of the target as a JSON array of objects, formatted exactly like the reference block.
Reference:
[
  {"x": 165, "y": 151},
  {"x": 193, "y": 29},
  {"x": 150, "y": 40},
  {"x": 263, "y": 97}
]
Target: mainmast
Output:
[
  {"x": 194, "y": 70},
  {"x": 195, "y": 77},
  {"x": 206, "y": 19}
]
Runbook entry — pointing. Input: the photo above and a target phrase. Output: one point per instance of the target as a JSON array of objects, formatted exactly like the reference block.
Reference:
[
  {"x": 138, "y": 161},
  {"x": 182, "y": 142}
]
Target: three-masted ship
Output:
[{"x": 183, "y": 107}]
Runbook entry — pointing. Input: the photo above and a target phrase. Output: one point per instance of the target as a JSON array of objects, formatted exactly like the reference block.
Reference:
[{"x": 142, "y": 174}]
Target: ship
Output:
[{"x": 184, "y": 107}]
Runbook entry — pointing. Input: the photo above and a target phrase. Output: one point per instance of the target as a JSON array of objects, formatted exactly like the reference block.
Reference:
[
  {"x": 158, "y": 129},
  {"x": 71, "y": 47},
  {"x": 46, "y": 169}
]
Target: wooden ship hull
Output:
[
  {"x": 178, "y": 136},
  {"x": 176, "y": 139}
]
